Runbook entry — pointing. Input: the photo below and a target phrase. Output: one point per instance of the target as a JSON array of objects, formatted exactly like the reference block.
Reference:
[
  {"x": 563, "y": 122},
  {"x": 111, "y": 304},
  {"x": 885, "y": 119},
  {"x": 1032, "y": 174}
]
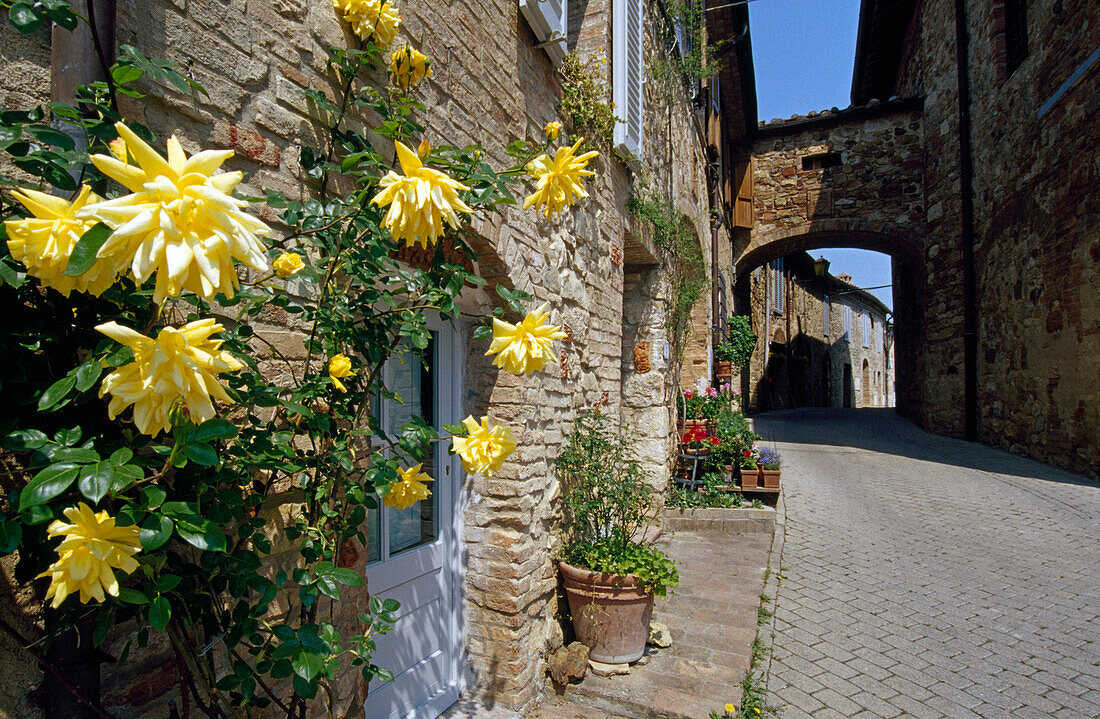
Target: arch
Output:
[{"x": 763, "y": 247}]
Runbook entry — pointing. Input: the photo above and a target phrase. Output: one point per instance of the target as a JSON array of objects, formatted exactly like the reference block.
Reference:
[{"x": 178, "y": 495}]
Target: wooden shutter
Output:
[
  {"x": 549, "y": 20},
  {"x": 743, "y": 181},
  {"x": 627, "y": 74}
]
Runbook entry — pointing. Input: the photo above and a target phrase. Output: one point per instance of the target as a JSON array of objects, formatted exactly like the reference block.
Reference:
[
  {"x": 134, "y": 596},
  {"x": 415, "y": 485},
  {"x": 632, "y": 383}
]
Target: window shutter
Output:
[
  {"x": 742, "y": 208},
  {"x": 627, "y": 74},
  {"x": 826, "y": 305},
  {"x": 549, "y": 20},
  {"x": 780, "y": 286}
]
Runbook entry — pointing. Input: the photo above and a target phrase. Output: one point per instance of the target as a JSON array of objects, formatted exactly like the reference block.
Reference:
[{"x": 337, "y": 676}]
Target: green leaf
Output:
[
  {"x": 155, "y": 531},
  {"x": 180, "y": 509},
  {"x": 50, "y": 136},
  {"x": 307, "y": 665},
  {"x": 47, "y": 484},
  {"x": 132, "y": 596},
  {"x": 202, "y": 454},
  {"x": 328, "y": 586},
  {"x": 24, "y": 18},
  {"x": 201, "y": 533},
  {"x": 347, "y": 577},
  {"x": 56, "y": 392},
  {"x": 24, "y": 439},
  {"x": 84, "y": 254},
  {"x": 121, "y": 456},
  {"x": 11, "y": 533},
  {"x": 153, "y": 497},
  {"x": 215, "y": 429},
  {"x": 160, "y": 613},
  {"x": 123, "y": 74},
  {"x": 96, "y": 480},
  {"x": 86, "y": 376}
]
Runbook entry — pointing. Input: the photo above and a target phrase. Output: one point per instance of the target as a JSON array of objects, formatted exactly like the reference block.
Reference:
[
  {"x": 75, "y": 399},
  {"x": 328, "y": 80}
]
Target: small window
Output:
[
  {"x": 779, "y": 295},
  {"x": 826, "y": 306},
  {"x": 822, "y": 161},
  {"x": 847, "y": 322},
  {"x": 866, "y": 330},
  {"x": 1015, "y": 33}
]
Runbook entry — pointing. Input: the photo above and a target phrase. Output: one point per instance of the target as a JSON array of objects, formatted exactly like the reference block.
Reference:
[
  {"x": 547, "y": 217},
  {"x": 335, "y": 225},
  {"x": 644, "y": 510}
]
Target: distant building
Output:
[{"x": 824, "y": 342}]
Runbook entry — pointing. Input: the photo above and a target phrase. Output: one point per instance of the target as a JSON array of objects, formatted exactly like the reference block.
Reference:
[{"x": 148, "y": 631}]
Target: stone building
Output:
[
  {"x": 968, "y": 156},
  {"x": 480, "y": 591},
  {"x": 824, "y": 342}
]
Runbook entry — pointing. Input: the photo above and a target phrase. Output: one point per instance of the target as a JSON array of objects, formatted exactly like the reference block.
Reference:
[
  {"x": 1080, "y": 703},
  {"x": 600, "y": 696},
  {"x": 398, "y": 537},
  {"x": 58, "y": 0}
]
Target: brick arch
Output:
[{"x": 765, "y": 246}]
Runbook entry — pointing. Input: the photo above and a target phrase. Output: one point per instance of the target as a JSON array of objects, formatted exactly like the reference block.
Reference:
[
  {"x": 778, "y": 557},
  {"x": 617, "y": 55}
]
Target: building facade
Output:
[
  {"x": 823, "y": 342},
  {"x": 491, "y": 616}
]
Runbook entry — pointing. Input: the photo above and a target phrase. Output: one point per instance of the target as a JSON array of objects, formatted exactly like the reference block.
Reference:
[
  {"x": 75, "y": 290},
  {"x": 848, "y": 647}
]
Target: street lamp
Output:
[{"x": 821, "y": 267}]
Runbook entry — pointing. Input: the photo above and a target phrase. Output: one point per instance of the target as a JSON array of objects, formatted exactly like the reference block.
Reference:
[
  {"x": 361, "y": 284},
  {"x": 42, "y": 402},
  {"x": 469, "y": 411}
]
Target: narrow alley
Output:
[{"x": 930, "y": 577}]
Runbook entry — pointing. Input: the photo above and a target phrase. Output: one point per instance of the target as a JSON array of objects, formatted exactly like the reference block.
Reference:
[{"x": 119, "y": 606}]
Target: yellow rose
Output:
[
  {"x": 338, "y": 368},
  {"x": 409, "y": 66},
  {"x": 524, "y": 348},
  {"x": 181, "y": 222},
  {"x": 179, "y": 366},
  {"x": 94, "y": 546},
  {"x": 409, "y": 490},
  {"x": 420, "y": 201},
  {"x": 553, "y": 129},
  {"x": 485, "y": 446},
  {"x": 44, "y": 243},
  {"x": 287, "y": 264},
  {"x": 559, "y": 180},
  {"x": 371, "y": 20}
]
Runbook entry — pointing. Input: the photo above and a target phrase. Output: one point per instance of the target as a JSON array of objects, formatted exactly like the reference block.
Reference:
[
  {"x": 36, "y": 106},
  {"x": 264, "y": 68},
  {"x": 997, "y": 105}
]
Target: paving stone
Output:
[{"x": 929, "y": 577}]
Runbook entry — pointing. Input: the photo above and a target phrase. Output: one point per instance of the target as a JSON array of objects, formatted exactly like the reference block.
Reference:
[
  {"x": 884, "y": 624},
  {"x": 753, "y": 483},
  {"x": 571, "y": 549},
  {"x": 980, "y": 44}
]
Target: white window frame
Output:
[
  {"x": 628, "y": 77},
  {"x": 549, "y": 19}
]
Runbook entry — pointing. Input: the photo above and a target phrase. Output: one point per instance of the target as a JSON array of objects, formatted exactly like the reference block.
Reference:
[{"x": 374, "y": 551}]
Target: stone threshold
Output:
[{"x": 722, "y": 555}]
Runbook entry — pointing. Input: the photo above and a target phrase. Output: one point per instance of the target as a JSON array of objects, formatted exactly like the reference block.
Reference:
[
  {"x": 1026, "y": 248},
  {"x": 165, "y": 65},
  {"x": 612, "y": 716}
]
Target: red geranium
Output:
[{"x": 715, "y": 441}]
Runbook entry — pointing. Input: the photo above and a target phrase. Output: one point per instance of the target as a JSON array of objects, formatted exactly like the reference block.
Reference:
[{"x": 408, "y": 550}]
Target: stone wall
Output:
[
  {"x": 1036, "y": 219},
  {"x": 491, "y": 85}
]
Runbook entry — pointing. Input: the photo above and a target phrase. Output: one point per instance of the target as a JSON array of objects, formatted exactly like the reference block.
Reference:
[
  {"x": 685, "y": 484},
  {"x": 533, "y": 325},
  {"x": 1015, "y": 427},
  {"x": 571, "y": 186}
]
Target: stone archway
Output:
[{"x": 817, "y": 234}]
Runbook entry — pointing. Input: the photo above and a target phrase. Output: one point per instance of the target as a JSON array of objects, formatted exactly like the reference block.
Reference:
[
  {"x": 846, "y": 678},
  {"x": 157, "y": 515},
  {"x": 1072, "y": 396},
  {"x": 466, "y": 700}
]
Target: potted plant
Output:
[
  {"x": 610, "y": 569},
  {"x": 769, "y": 461},
  {"x": 737, "y": 350},
  {"x": 724, "y": 353},
  {"x": 750, "y": 472},
  {"x": 690, "y": 409},
  {"x": 697, "y": 441}
]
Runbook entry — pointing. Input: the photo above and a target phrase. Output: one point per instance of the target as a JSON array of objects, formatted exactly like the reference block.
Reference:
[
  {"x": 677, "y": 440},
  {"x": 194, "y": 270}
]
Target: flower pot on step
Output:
[
  {"x": 750, "y": 477},
  {"x": 723, "y": 371},
  {"x": 770, "y": 478},
  {"x": 610, "y": 613}
]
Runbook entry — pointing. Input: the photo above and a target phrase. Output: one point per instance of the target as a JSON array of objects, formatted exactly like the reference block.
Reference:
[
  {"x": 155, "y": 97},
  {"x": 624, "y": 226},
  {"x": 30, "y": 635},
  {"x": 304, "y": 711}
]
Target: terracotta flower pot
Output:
[
  {"x": 750, "y": 477},
  {"x": 610, "y": 613},
  {"x": 770, "y": 477},
  {"x": 723, "y": 370},
  {"x": 684, "y": 426}
]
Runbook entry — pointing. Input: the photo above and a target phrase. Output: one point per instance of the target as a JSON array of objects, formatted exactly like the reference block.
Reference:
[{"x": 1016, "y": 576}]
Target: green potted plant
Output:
[
  {"x": 737, "y": 350},
  {"x": 610, "y": 570},
  {"x": 692, "y": 411},
  {"x": 769, "y": 463}
]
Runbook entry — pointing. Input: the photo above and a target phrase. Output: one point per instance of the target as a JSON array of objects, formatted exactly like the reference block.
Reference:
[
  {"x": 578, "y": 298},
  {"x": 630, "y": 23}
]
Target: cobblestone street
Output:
[{"x": 929, "y": 577}]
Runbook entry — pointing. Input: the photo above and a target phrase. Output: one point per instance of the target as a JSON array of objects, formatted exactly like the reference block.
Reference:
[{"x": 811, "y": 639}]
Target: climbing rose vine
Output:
[{"x": 189, "y": 390}]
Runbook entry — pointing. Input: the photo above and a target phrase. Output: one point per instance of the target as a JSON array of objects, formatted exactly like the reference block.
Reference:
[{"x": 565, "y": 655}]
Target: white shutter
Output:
[
  {"x": 549, "y": 20},
  {"x": 826, "y": 305},
  {"x": 627, "y": 74}
]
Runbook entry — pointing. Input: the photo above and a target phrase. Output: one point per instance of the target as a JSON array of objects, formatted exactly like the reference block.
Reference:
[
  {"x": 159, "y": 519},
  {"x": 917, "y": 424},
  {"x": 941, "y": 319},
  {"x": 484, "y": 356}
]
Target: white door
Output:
[{"x": 413, "y": 553}]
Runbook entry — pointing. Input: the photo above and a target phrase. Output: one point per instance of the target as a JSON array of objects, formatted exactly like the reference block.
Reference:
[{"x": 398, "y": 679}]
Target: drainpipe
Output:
[
  {"x": 73, "y": 58},
  {"x": 966, "y": 188},
  {"x": 75, "y": 62}
]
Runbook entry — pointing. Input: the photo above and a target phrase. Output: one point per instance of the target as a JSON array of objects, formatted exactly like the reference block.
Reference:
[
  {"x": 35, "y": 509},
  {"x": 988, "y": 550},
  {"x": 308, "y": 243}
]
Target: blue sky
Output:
[{"x": 803, "y": 54}]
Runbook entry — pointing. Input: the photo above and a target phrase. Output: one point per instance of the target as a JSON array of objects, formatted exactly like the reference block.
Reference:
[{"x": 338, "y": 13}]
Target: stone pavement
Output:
[
  {"x": 930, "y": 577},
  {"x": 713, "y": 619}
]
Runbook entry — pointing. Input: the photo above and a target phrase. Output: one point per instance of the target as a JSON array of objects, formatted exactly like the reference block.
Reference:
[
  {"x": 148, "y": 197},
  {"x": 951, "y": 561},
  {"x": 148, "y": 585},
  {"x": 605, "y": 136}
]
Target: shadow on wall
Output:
[{"x": 881, "y": 430}]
